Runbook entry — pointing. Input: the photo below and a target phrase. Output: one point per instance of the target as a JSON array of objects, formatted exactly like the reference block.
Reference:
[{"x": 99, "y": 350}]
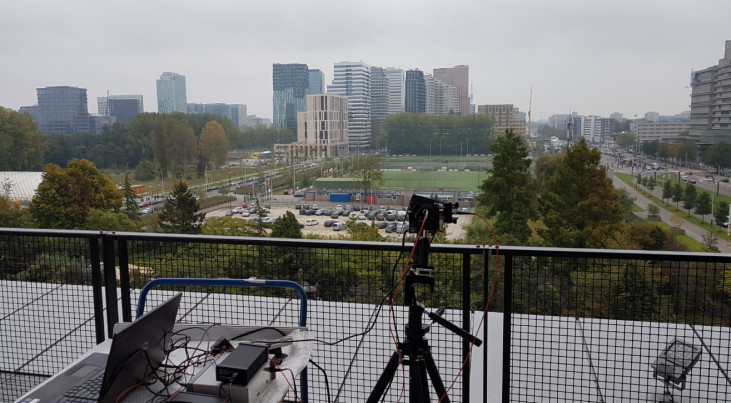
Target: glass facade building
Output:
[
  {"x": 415, "y": 92},
  {"x": 290, "y": 82},
  {"x": 171, "y": 93},
  {"x": 62, "y": 110}
]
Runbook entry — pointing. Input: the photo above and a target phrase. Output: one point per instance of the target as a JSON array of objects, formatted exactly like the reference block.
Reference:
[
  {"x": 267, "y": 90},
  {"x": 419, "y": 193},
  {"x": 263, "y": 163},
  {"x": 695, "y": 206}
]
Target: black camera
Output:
[{"x": 429, "y": 212}]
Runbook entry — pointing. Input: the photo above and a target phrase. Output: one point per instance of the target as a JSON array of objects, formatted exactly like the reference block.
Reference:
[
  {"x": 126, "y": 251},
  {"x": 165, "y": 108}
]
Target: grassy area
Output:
[
  {"x": 468, "y": 181},
  {"x": 688, "y": 242},
  {"x": 720, "y": 232}
]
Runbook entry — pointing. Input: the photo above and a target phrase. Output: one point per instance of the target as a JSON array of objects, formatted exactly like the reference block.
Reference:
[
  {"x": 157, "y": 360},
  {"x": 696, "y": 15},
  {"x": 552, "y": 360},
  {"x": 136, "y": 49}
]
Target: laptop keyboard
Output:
[{"x": 86, "y": 391}]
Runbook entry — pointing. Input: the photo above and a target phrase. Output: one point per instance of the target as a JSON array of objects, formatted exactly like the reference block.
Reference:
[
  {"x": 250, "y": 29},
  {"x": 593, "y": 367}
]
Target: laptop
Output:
[{"x": 103, "y": 377}]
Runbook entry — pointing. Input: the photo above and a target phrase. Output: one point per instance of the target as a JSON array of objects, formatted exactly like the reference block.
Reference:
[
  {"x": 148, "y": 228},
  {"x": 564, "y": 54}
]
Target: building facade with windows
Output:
[
  {"x": 658, "y": 131},
  {"x": 506, "y": 116},
  {"x": 396, "y": 89},
  {"x": 172, "y": 95},
  {"x": 290, "y": 82},
  {"x": 317, "y": 81},
  {"x": 415, "y": 92},
  {"x": 236, "y": 113},
  {"x": 122, "y": 107},
  {"x": 62, "y": 110},
  {"x": 459, "y": 78},
  {"x": 322, "y": 130},
  {"x": 441, "y": 98},
  {"x": 353, "y": 81},
  {"x": 710, "y": 101}
]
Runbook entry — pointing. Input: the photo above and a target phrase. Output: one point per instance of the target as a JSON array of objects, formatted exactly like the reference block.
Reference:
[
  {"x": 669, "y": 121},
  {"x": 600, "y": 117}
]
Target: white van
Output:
[{"x": 339, "y": 226}]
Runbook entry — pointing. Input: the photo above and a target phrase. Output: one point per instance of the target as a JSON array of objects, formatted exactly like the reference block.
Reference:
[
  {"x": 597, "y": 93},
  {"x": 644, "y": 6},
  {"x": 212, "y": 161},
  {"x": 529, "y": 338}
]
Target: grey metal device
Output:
[{"x": 675, "y": 362}]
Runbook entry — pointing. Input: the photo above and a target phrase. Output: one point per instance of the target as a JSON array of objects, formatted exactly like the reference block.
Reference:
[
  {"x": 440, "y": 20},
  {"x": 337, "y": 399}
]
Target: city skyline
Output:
[{"x": 623, "y": 56}]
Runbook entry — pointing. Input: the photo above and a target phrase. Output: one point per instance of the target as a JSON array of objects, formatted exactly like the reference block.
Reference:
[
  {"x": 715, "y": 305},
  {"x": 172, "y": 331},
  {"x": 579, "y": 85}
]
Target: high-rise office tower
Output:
[
  {"x": 379, "y": 94},
  {"x": 171, "y": 93},
  {"x": 441, "y": 98},
  {"x": 317, "y": 81},
  {"x": 415, "y": 92},
  {"x": 61, "y": 110},
  {"x": 459, "y": 78},
  {"x": 396, "y": 89},
  {"x": 710, "y": 101},
  {"x": 290, "y": 83},
  {"x": 122, "y": 107},
  {"x": 353, "y": 80}
]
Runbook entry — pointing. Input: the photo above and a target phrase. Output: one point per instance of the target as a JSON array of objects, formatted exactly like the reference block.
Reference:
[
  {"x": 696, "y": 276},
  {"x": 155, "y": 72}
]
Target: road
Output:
[{"x": 695, "y": 232}]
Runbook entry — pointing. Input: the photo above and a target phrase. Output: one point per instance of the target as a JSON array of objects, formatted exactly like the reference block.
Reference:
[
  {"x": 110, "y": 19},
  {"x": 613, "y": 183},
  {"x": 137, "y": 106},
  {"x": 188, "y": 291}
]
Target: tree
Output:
[
  {"x": 229, "y": 226},
  {"x": 626, "y": 139},
  {"x": 677, "y": 194},
  {"x": 22, "y": 146},
  {"x": 357, "y": 231},
  {"x": 508, "y": 192},
  {"x": 667, "y": 190},
  {"x": 175, "y": 148},
  {"x": 718, "y": 155},
  {"x": 367, "y": 172},
  {"x": 651, "y": 183},
  {"x": 721, "y": 213},
  {"x": 580, "y": 206},
  {"x": 703, "y": 205},
  {"x": 689, "y": 198},
  {"x": 179, "y": 214},
  {"x": 130, "y": 199},
  {"x": 287, "y": 227},
  {"x": 12, "y": 216},
  {"x": 639, "y": 181},
  {"x": 213, "y": 144},
  {"x": 100, "y": 220},
  {"x": 65, "y": 196}
]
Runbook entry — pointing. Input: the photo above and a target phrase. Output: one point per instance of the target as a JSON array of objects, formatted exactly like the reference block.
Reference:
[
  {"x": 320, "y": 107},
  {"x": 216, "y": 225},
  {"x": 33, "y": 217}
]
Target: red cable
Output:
[{"x": 285, "y": 378}]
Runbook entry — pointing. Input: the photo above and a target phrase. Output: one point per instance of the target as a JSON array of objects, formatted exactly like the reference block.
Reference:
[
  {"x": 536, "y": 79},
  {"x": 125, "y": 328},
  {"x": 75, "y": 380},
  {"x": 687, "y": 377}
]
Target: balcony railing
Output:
[{"x": 565, "y": 325}]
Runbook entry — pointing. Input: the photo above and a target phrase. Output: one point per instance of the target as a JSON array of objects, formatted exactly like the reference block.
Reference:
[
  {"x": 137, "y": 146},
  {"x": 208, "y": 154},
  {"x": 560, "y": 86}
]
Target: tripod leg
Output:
[
  {"x": 384, "y": 379},
  {"x": 436, "y": 380},
  {"x": 418, "y": 388}
]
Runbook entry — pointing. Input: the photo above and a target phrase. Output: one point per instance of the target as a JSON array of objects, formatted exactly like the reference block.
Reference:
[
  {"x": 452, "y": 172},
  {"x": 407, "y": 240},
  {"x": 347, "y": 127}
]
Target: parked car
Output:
[
  {"x": 463, "y": 210},
  {"x": 245, "y": 213},
  {"x": 724, "y": 180},
  {"x": 298, "y": 207},
  {"x": 146, "y": 210},
  {"x": 334, "y": 215},
  {"x": 361, "y": 216},
  {"x": 339, "y": 226},
  {"x": 311, "y": 222},
  {"x": 329, "y": 223},
  {"x": 238, "y": 210},
  {"x": 381, "y": 224}
]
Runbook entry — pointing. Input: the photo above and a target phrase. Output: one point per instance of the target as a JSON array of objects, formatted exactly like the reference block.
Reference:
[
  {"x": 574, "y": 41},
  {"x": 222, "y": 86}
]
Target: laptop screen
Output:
[{"x": 138, "y": 349}]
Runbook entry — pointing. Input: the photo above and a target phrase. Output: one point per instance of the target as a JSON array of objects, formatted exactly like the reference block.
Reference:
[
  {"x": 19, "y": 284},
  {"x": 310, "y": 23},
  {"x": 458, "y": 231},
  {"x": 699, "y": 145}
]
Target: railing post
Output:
[
  {"x": 466, "y": 322},
  {"x": 96, "y": 288},
  {"x": 124, "y": 285},
  {"x": 110, "y": 283},
  {"x": 508, "y": 292},
  {"x": 485, "y": 296}
]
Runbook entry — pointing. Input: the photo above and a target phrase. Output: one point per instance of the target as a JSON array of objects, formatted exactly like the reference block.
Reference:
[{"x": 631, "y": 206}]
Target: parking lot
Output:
[{"x": 283, "y": 204}]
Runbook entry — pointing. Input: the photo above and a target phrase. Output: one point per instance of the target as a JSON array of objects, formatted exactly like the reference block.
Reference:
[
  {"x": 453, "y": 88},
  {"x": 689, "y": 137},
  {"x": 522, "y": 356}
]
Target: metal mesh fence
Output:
[
  {"x": 346, "y": 284},
  {"x": 598, "y": 327},
  {"x": 47, "y": 316}
]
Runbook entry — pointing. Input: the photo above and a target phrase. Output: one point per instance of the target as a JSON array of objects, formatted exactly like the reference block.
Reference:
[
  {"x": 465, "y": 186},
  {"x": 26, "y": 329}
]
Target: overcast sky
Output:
[{"x": 588, "y": 56}]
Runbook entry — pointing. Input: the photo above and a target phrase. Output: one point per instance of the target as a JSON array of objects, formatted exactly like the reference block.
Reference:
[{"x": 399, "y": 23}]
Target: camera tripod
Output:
[{"x": 415, "y": 345}]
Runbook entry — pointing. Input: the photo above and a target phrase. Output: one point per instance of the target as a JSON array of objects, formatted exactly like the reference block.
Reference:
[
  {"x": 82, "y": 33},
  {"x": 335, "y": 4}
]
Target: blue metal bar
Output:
[{"x": 224, "y": 282}]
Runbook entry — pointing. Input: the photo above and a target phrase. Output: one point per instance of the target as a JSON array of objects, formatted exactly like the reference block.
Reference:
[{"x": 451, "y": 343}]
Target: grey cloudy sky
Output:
[{"x": 589, "y": 56}]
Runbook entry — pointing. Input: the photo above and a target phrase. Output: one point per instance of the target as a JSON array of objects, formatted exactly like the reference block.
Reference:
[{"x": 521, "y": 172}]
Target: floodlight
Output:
[{"x": 675, "y": 362}]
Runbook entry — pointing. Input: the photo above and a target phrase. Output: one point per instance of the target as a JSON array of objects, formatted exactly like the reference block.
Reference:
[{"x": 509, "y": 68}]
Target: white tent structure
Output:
[{"x": 19, "y": 186}]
